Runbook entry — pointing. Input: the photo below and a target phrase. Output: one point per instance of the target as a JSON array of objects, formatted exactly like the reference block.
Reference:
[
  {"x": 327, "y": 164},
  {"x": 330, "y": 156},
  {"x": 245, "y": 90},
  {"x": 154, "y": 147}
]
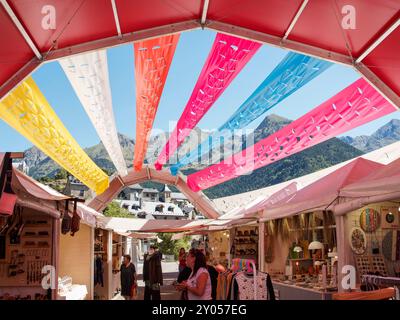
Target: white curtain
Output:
[{"x": 88, "y": 75}]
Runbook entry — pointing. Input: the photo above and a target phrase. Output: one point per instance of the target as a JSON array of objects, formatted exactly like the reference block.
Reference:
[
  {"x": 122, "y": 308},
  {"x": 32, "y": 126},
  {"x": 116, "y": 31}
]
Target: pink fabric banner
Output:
[
  {"x": 226, "y": 59},
  {"x": 356, "y": 105}
]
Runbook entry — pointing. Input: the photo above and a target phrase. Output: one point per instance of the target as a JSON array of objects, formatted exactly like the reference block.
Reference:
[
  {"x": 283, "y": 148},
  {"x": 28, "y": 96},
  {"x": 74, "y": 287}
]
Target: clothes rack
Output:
[
  {"x": 245, "y": 264},
  {"x": 379, "y": 280}
]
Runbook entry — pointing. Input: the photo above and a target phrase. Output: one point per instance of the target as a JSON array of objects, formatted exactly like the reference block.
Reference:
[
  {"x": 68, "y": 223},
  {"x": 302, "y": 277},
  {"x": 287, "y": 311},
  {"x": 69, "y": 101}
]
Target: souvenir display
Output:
[
  {"x": 358, "y": 241},
  {"x": 371, "y": 264},
  {"x": 245, "y": 243},
  {"x": 28, "y": 250},
  {"x": 363, "y": 265},
  {"x": 369, "y": 220},
  {"x": 389, "y": 246},
  {"x": 390, "y": 217}
]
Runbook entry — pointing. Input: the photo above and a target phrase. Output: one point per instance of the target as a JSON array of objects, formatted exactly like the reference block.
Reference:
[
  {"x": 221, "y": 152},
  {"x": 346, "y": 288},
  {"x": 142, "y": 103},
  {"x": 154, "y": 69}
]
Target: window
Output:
[
  {"x": 159, "y": 208},
  {"x": 171, "y": 209},
  {"x": 81, "y": 193}
]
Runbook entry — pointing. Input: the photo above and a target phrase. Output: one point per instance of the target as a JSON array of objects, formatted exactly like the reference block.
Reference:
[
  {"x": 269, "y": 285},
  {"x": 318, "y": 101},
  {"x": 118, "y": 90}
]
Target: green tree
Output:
[
  {"x": 113, "y": 209},
  {"x": 107, "y": 172},
  {"x": 61, "y": 174},
  {"x": 172, "y": 247}
]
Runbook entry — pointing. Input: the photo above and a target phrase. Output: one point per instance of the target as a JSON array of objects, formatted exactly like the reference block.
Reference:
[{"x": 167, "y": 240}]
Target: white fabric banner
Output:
[{"x": 88, "y": 75}]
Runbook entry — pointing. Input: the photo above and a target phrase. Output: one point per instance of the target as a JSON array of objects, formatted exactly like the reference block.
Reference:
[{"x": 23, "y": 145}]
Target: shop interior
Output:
[
  {"x": 26, "y": 246},
  {"x": 301, "y": 251}
]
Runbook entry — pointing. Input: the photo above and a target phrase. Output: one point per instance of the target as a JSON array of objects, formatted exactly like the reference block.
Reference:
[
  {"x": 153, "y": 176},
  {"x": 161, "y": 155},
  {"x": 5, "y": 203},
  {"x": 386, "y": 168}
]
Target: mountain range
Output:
[
  {"x": 326, "y": 154},
  {"x": 385, "y": 135}
]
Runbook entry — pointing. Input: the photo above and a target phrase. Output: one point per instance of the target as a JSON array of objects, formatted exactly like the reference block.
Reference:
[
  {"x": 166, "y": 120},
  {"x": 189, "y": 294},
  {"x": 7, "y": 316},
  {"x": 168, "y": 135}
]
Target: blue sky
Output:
[{"x": 189, "y": 58}]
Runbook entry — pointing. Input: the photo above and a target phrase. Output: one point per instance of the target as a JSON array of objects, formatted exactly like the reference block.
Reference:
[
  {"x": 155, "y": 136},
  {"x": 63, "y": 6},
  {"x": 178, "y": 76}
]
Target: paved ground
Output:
[{"x": 170, "y": 273}]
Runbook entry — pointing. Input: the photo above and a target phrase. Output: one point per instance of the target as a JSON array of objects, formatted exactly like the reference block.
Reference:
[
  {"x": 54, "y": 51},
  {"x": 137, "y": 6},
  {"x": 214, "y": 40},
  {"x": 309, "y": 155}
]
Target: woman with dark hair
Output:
[
  {"x": 198, "y": 286},
  {"x": 128, "y": 278}
]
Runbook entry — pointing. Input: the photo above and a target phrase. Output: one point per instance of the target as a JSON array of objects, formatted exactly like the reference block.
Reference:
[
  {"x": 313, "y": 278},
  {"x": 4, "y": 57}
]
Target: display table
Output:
[
  {"x": 75, "y": 292},
  {"x": 292, "y": 292}
]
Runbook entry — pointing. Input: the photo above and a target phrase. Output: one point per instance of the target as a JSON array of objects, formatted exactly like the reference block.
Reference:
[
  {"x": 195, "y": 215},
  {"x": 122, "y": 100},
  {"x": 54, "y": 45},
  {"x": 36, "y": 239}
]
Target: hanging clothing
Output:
[
  {"x": 214, "y": 281},
  {"x": 98, "y": 271},
  {"x": 127, "y": 279},
  {"x": 223, "y": 285},
  {"x": 192, "y": 282},
  {"x": 243, "y": 287}
]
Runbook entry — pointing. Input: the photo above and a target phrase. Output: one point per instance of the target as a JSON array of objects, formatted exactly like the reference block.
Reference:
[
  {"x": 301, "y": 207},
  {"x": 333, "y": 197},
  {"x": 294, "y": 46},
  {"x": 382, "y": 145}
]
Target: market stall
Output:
[
  {"x": 29, "y": 234},
  {"x": 368, "y": 215},
  {"x": 300, "y": 255},
  {"x": 373, "y": 235},
  {"x": 76, "y": 258},
  {"x": 102, "y": 264},
  {"x": 217, "y": 246},
  {"x": 301, "y": 237}
]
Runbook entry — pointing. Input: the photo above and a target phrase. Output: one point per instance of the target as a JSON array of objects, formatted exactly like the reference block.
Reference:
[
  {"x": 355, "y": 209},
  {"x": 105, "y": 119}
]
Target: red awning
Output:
[
  {"x": 321, "y": 194},
  {"x": 38, "y": 31}
]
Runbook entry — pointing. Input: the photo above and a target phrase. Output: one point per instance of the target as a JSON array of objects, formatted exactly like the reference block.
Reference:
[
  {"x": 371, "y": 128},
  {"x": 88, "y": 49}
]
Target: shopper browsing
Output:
[
  {"x": 128, "y": 278},
  {"x": 198, "y": 286}
]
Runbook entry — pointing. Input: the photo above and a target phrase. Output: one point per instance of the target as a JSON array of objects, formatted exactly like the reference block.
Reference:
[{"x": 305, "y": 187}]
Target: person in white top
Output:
[{"x": 198, "y": 285}]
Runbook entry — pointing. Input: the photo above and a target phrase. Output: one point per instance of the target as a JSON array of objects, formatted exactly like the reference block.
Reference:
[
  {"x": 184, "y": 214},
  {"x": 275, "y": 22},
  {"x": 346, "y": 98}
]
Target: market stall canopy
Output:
[
  {"x": 88, "y": 215},
  {"x": 35, "y": 188},
  {"x": 33, "y": 194},
  {"x": 132, "y": 225},
  {"x": 172, "y": 225},
  {"x": 36, "y": 32},
  {"x": 383, "y": 155},
  {"x": 253, "y": 209},
  {"x": 270, "y": 201},
  {"x": 386, "y": 180},
  {"x": 125, "y": 225},
  {"x": 38, "y": 196},
  {"x": 139, "y": 235},
  {"x": 380, "y": 185},
  {"x": 321, "y": 194}
]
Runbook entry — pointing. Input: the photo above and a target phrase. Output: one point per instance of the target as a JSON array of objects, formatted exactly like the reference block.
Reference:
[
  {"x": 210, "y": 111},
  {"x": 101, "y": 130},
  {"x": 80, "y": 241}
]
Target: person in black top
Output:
[{"x": 128, "y": 277}]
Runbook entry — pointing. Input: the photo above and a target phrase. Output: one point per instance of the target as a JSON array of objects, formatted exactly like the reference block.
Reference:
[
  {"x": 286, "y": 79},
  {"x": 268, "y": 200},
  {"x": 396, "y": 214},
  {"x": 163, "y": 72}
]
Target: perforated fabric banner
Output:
[
  {"x": 88, "y": 75},
  {"x": 226, "y": 59},
  {"x": 356, "y": 105},
  {"x": 152, "y": 61},
  {"x": 27, "y": 111},
  {"x": 292, "y": 73}
]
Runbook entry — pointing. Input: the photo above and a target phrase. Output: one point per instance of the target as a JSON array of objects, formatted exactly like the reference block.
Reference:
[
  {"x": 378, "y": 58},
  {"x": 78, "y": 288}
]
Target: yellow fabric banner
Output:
[{"x": 27, "y": 111}]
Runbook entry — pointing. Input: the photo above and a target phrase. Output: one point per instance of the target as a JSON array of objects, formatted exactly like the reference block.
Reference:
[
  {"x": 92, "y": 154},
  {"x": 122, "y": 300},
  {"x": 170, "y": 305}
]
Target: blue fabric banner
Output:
[{"x": 292, "y": 73}]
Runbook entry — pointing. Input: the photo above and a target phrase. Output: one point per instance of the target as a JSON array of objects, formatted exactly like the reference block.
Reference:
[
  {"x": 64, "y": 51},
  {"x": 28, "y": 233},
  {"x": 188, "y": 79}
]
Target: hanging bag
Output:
[
  {"x": 67, "y": 220},
  {"x": 75, "y": 223}
]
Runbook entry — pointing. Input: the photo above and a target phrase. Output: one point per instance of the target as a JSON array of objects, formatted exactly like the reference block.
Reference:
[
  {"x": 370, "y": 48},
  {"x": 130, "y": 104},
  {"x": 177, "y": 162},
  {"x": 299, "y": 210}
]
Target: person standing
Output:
[
  {"x": 128, "y": 277},
  {"x": 182, "y": 259},
  {"x": 152, "y": 274},
  {"x": 198, "y": 286}
]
